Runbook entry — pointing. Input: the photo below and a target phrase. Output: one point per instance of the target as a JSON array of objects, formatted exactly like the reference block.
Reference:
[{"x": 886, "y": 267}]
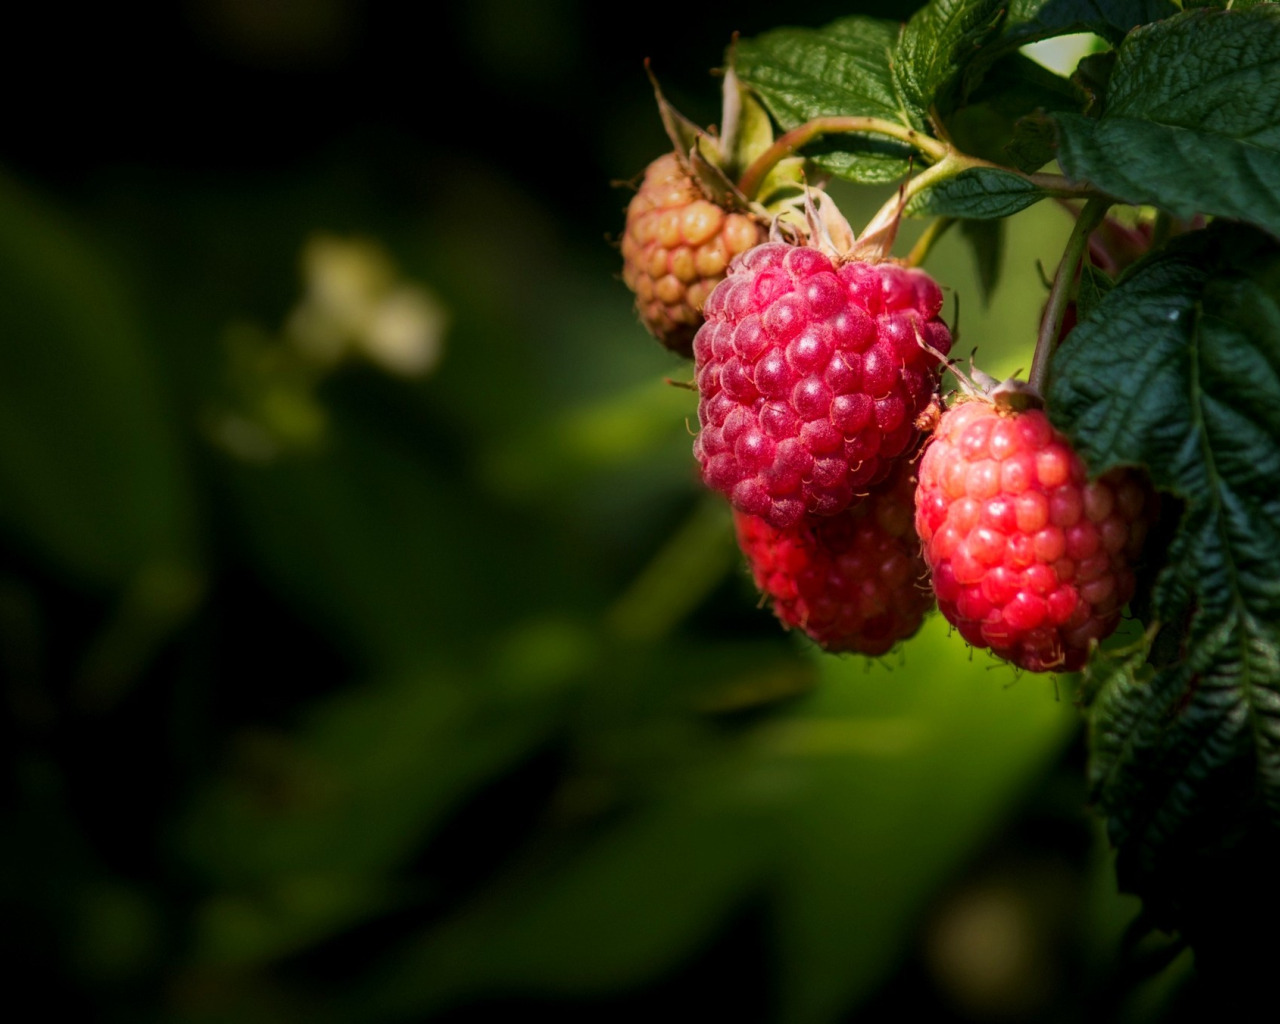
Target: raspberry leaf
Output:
[
  {"x": 1030, "y": 20},
  {"x": 979, "y": 193},
  {"x": 1094, "y": 285},
  {"x": 1186, "y": 750},
  {"x": 1002, "y": 120},
  {"x": 987, "y": 240},
  {"x": 841, "y": 70},
  {"x": 937, "y": 44},
  {"x": 1192, "y": 118}
]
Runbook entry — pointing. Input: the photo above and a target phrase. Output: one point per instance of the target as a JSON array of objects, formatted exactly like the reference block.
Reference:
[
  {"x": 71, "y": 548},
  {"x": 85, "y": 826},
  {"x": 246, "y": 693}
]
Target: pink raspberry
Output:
[
  {"x": 853, "y": 581},
  {"x": 1028, "y": 557},
  {"x": 811, "y": 374}
]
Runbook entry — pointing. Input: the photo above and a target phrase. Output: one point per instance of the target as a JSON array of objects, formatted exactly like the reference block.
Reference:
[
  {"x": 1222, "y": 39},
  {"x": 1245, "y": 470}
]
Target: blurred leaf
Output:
[
  {"x": 285, "y": 915},
  {"x": 630, "y": 903},
  {"x": 616, "y": 431},
  {"x": 897, "y": 773},
  {"x": 987, "y": 240},
  {"x": 857, "y": 802},
  {"x": 361, "y": 785},
  {"x": 394, "y": 554},
  {"x": 679, "y": 577},
  {"x": 89, "y": 469}
]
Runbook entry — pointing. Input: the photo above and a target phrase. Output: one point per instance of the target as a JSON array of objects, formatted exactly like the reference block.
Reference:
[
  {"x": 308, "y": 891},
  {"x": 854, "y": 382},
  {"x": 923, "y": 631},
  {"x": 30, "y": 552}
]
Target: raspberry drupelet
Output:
[
  {"x": 811, "y": 372},
  {"x": 853, "y": 581}
]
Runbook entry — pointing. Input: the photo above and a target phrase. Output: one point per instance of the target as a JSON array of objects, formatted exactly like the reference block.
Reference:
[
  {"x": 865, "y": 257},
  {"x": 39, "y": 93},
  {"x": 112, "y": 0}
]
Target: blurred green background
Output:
[{"x": 369, "y": 650}]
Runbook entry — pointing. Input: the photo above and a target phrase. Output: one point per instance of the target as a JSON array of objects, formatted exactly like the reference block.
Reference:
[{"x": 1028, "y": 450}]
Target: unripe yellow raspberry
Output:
[{"x": 676, "y": 247}]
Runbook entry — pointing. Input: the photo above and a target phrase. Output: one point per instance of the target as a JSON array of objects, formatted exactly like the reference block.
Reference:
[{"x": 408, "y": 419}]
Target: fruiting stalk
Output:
[
  {"x": 1051, "y": 324},
  {"x": 796, "y": 139}
]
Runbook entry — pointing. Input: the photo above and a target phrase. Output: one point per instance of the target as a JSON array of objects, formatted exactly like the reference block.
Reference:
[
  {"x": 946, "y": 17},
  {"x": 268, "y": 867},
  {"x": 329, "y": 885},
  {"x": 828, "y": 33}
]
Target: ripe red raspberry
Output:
[
  {"x": 811, "y": 375},
  {"x": 853, "y": 581},
  {"x": 1028, "y": 557},
  {"x": 675, "y": 248}
]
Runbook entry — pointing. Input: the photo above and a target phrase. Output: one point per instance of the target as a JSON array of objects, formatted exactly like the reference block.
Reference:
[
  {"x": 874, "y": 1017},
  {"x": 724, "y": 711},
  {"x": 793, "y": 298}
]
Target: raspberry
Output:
[
  {"x": 853, "y": 581},
  {"x": 1028, "y": 557},
  {"x": 675, "y": 248},
  {"x": 811, "y": 375}
]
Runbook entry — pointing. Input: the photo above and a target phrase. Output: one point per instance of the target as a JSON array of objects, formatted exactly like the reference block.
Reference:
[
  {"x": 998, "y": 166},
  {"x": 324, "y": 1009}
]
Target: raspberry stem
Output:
[
  {"x": 1051, "y": 324},
  {"x": 794, "y": 140},
  {"x": 678, "y": 578},
  {"x": 951, "y": 165}
]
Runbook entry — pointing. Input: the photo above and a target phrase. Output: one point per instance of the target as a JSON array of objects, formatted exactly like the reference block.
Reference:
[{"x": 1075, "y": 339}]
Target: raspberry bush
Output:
[{"x": 1154, "y": 385}]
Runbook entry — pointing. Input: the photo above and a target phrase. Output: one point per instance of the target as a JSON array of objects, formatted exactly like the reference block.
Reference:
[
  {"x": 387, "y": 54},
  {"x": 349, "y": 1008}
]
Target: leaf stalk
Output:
[{"x": 1051, "y": 323}]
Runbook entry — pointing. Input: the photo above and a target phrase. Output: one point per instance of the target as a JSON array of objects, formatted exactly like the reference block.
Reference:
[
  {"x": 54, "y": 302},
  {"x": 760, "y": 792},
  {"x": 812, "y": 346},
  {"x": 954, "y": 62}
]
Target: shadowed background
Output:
[{"x": 369, "y": 650}]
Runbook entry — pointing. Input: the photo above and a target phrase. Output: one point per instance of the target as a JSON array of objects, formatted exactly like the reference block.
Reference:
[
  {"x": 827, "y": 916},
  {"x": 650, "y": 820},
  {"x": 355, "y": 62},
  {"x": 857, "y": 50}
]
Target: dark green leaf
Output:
[
  {"x": 1178, "y": 369},
  {"x": 1091, "y": 77},
  {"x": 936, "y": 46},
  {"x": 996, "y": 122},
  {"x": 1094, "y": 285},
  {"x": 842, "y": 70},
  {"x": 987, "y": 239},
  {"x": 1192, "y": 119},
  {"x": 1234, "y": 5},
  {"x": 604, "y": 916},
  {"x": 1042, "y": 19},
  {"x": 978, "y": 193}
]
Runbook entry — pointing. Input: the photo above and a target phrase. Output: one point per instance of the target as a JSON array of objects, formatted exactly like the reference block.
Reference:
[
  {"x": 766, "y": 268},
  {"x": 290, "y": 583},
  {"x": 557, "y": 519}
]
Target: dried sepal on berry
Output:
[{"x": 688, "y": 219}]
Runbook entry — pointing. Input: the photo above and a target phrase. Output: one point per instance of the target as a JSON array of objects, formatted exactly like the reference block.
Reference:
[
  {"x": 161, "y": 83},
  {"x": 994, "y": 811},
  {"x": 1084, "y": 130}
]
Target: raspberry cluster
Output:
[
  {"x": 811, "y": 374},
  {"x": 853, "y": 581},
  {"x": 675, "y": 249},
  {"x": 817, "y": 367},
  {"x": 1028, "y": 557}
]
